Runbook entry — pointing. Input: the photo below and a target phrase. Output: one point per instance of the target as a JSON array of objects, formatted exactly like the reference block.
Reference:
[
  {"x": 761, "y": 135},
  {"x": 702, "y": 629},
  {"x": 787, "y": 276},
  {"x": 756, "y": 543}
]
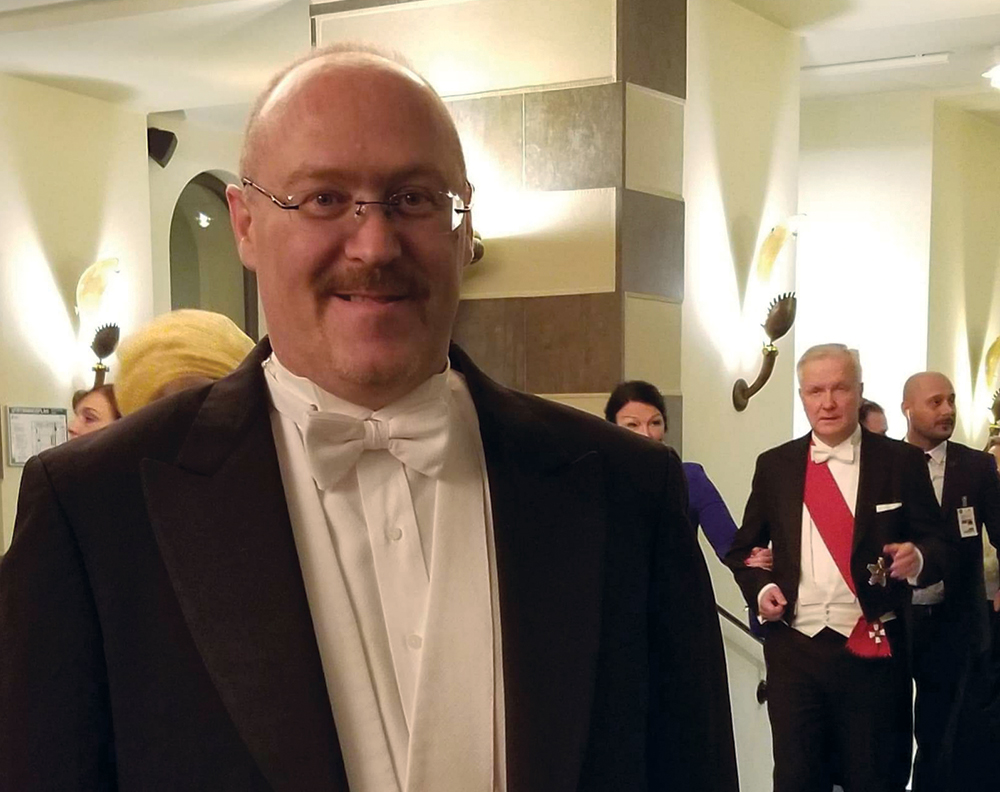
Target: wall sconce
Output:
[
  {"x": 478, "y": 248},
  {"x": 92, "y": 288},
  {"x": 780, "y": 318},
  {"x": 105, "y": 342},
  {"x": 992, "y": 369}
]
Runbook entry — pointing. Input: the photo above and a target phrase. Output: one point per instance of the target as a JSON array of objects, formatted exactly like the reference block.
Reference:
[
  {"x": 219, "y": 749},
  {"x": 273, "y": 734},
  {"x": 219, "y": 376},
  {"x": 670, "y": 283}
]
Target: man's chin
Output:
[{"x": 384, "y": 368}]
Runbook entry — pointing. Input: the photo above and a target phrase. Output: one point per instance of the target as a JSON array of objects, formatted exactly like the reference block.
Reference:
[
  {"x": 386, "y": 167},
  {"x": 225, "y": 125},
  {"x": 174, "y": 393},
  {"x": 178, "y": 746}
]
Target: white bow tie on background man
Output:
[
  {"x": 842, "y": 453},
  {"x": 418, "y": 438}
]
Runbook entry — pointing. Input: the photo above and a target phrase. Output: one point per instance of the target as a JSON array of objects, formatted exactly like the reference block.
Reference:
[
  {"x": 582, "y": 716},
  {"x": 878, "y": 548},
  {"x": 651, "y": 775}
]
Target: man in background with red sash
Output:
[{"x": 853, "y": 524}]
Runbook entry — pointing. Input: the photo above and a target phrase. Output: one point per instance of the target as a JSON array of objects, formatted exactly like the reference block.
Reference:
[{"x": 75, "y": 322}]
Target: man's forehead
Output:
[
  {"x": 335, "y": 73},
  {"x": 932, "y": 385},
  {"x": 832, "y": 366},
  {"x": 331, "y": 109}
]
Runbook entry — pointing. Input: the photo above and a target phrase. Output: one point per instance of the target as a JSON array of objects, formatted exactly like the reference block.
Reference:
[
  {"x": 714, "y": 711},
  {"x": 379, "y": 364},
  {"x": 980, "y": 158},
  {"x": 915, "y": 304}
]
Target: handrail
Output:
[
  {"x": 761, "y": 692},
  {"x": 725, "y": 614}
]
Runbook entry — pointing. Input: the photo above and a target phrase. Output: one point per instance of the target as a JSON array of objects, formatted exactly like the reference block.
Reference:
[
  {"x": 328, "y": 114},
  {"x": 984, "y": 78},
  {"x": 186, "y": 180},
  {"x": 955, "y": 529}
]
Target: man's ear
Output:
[{"x": 241, "y": 221}]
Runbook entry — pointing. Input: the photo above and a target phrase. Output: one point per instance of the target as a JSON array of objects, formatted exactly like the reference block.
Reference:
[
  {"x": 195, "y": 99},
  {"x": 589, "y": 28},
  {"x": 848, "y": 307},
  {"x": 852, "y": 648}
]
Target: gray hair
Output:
[{"x": 824, "y": 351}]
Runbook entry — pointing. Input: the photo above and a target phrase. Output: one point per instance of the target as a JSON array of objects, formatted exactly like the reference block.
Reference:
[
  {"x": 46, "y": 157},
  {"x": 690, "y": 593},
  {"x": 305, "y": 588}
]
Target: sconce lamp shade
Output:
[
  {"x": 92, "y": 285},
  {"x": 993, "y": 364},
  {"x": 769, "y": 250}
]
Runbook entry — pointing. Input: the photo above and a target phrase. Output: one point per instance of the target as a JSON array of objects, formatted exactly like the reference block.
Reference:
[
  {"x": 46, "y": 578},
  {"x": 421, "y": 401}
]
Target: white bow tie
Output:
[
  {"x": 418, "y": 438},
  {"x": 842, "y": 453}
]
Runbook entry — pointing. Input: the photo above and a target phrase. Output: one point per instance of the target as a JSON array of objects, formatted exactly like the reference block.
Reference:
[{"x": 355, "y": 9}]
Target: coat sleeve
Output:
[
  {"x": 55, "y": 724},
  {"x": 989, "y": 500},
  {"x": 710, "y": 508},
  {"x": 691, "y": 746},
  {"x": 754, "y": 532}
]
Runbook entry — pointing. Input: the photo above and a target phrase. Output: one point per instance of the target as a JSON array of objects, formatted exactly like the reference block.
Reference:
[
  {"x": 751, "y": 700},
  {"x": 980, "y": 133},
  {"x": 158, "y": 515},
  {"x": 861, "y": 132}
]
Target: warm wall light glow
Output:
[
  {"x": 543, "y": 243},
  {"x": 102, "y": 299},
  {"x": 963, "y": 381},
  {"x": 38, "y": 313},
  {"x": 993, "y": 75}
]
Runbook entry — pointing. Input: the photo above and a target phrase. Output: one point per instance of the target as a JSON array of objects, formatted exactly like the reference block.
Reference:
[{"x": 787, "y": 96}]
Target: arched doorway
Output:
[{"x": 205, "y": 268}]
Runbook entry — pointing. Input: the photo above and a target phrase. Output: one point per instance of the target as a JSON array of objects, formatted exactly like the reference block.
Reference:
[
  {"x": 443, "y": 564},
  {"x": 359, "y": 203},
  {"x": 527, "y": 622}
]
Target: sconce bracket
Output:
[{"x": 742, "y": 393}]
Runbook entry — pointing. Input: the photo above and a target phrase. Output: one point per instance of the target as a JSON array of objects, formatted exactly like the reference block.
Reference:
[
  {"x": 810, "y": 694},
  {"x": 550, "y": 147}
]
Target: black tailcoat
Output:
[{"x": 155, "y": 631}]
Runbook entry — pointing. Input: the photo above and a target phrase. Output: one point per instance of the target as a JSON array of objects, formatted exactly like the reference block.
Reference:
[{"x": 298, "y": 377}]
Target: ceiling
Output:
[
  {"x": 168, "y": 55},
  {"x": 153, "y": 55},
  {"x": 849, "y": 31}
]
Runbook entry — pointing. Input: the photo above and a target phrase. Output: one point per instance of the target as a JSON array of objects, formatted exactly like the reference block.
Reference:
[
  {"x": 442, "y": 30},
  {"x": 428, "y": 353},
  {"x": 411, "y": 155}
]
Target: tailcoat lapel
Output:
[
  {"x": 871, "y": 474},
  {"x": 790, "y": 501},
  {"x": 221, "y": 522},
  {"x": 550, "y": 523},
  {"x": 950, "y": 493}
]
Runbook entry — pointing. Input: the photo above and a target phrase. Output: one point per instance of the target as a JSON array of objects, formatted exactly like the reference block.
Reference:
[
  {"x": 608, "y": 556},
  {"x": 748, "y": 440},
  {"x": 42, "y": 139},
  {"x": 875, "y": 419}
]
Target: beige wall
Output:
[
  {"x": 740, "y": 178},
  {"x": 73, "y": 177},
  {"x": 964, "y": 315},
  {"x": 200, "y": 148},
  {"x": 865, "y": 189}
]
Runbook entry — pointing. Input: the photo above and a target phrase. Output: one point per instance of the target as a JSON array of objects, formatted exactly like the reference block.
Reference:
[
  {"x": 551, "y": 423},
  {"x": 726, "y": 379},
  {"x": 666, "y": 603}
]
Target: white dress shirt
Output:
[
  {"x": 413, "y": 671},
  {"x": 824, "y": 598}
]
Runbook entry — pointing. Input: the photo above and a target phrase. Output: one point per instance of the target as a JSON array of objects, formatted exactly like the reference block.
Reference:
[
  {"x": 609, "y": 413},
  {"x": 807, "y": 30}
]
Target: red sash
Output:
[{"x": 835, "y": 523}]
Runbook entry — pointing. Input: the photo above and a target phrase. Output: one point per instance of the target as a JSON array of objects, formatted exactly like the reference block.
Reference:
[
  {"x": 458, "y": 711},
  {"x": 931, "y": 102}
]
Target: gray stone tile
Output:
[
  {"x": 652, "y": 44},
  {"x": 491, "y": 132},
  {"x": 652, "y": 245},
  {"x": 492, "y": 333},
  {"x": 573, "y": 343},
  {"x": 573, "y": 138}
]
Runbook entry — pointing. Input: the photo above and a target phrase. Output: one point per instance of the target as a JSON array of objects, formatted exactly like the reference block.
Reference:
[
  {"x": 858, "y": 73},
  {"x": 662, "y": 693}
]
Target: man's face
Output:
[
  {"x": 930, "y": 408},
  {"x": 876, "y": 422},
  {"x": 831, "y": 396},
  {"x": 362, "y": 305}
]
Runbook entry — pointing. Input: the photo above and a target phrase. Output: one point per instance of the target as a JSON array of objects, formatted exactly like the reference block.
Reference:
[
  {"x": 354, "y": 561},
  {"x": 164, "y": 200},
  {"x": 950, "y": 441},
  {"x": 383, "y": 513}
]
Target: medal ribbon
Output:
[{"x": 835, "y": 523}]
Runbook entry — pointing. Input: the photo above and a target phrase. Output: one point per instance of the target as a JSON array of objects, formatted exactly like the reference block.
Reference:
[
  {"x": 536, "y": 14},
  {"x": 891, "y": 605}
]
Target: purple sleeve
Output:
[{"x": 707, "y": 509}]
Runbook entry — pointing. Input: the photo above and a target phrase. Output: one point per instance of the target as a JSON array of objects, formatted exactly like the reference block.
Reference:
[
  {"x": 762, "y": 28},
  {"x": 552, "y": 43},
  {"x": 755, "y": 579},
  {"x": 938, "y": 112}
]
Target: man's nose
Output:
[{"x": 372, "y": 235}]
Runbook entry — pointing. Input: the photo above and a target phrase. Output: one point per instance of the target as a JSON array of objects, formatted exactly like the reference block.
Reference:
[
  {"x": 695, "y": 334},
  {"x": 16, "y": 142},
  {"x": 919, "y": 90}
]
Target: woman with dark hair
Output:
[
  {"x": 92, "y": 410},
  {"x": 639, "y": 407}
]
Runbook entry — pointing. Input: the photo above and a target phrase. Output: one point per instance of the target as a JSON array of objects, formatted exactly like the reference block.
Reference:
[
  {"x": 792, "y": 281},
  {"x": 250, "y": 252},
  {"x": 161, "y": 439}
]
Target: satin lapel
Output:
[
  {"x": 793, "y": 487},
  {"x": 950, "y": 493},
  {"x": 222, "y": 525},
  {"x": 871, "y": 476},
  {"x": 550, "y": 522}
]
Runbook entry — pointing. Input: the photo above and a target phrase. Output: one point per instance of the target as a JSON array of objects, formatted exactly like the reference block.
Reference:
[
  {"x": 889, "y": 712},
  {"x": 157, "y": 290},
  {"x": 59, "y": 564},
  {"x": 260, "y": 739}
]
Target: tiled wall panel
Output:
[
  {"x": 652, "y": 44},
  {"x": 652, "y": 245},
  {"x": 573, "y": 138}
]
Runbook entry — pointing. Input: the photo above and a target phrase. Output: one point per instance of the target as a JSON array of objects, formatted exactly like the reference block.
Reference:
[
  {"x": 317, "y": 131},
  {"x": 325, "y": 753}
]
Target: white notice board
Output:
[{"x": 30, "y": 430}]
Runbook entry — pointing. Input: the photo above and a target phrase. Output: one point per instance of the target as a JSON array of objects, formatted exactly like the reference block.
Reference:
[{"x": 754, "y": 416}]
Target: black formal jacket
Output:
[
  {"x": 155, "y": 633},
  {"x": 970, "y": 475},
  {"x": 891, "y": 472}
]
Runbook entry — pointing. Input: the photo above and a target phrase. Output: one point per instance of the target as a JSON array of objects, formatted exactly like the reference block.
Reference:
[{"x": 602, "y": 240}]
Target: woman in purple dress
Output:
[{"x": 639, "y": 407}]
